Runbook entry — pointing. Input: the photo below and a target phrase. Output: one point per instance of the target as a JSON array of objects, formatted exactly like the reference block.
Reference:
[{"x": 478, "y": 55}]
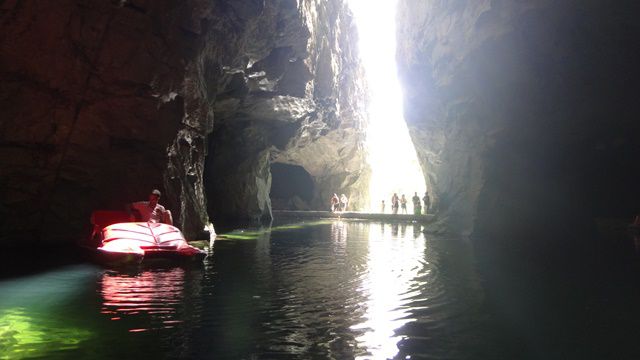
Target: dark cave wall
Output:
[
  {"x": 524, "y": 113},
  {"x": 93, "y": 94},
  {"x": 104, "y": 100},
  {"x": 292, "y": 187},
  {"x": 237, "y": 177}
]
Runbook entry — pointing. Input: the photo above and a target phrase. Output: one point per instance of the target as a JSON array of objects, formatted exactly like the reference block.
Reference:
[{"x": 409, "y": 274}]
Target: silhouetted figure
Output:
[
  {"x": 382, "y": 207},
  {"x": 344, "y": 201},
  {"x": 335, "y": 203},
  {"x": 417, "y": 208},
  {"x": 427, "y": 202},
  {"x": 403, "y": 204},
  {"x": 395, "y": 203}
]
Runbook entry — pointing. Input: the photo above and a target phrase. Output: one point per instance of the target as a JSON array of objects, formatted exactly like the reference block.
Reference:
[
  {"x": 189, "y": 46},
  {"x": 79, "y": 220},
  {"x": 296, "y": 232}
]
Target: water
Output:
[{"x": 331, "y": 290}]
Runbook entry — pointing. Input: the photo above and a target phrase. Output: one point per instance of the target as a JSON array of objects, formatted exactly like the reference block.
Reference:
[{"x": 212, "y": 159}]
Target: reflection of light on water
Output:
[
  {"x": 22, "y": 336},
  {"x": 339, "y": 231},
  {"x": 156, "y": 293},
  {"x": 31, "y": 322},
  {"x": 339, "y": 238},
  {"x": 393, "y": 263}
]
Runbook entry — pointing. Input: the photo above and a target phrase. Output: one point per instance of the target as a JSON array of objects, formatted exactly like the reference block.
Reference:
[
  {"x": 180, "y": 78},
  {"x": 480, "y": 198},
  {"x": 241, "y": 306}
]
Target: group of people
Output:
[
  {"x": 401, "y": 203},
  {"x": 339, "y": 203}
]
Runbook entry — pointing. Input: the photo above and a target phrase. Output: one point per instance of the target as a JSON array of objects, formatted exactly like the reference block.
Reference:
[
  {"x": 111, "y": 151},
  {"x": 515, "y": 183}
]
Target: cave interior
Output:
[{"x": 524, "y": 115}]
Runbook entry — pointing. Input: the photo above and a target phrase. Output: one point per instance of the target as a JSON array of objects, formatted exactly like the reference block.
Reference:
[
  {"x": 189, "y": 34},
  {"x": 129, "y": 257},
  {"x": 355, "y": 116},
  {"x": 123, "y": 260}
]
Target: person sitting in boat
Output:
[{"x": 151, "y": 211}]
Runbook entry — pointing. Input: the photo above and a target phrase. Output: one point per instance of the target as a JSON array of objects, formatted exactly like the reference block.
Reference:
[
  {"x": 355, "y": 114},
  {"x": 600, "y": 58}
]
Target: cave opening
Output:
[
  {"x": 292, "y": 187},
  {"x": 391, "y": 152}
]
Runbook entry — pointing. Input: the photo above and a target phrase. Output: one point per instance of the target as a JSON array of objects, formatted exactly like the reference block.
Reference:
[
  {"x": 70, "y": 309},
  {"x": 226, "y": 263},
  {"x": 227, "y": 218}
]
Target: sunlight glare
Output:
[
  {"x": 394, "y": 261},
  {"x": 392, "y": 156}
]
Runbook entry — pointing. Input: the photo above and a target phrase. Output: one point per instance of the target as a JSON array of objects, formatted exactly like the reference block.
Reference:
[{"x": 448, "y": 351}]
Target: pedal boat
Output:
[{"x": 127, "y": 243}]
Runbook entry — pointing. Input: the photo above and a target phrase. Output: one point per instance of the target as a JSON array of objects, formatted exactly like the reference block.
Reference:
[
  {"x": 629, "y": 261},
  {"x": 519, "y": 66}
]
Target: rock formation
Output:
[
  {"x": 98, "y": 107},
  {"x": 295, "y": 99},
  {"x": 104, "y": 100},
  {"x": 523, "y": 113}
]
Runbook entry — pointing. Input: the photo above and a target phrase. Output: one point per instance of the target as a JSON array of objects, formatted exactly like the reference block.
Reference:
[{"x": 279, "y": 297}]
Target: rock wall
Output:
[
  {"x": 93, "y": 94},
  {"x": 104, "y": 100},
  {"x": 297, "y": 99},
  {"x": 523, "y": 113}
]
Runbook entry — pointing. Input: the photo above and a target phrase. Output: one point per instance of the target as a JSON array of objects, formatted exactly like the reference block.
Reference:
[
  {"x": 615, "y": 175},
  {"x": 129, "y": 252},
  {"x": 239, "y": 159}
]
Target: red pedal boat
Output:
[{"x": 122, "y": 242}]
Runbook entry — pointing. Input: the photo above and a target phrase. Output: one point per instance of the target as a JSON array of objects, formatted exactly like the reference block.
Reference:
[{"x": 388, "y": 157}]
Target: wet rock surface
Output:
[
  {"x": 297, "y": 99},
  {"x": 104, "y": 100},
  {"x": 93, "y": 94},
  {"x": 522, "y": 112}
]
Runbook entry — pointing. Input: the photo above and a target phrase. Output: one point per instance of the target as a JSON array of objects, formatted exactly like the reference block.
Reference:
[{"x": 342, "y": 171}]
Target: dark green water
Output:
[{"x": 333, "y": 290}]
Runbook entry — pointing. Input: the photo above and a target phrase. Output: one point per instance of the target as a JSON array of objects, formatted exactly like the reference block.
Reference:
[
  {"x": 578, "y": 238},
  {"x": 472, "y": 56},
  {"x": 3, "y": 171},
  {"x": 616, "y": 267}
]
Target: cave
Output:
[
  {"x": 291, "y": 187},
  {"x": 523, "y": 115},
  {"x": 508, "y": 127},
  {"x": 515, "y": 134}
]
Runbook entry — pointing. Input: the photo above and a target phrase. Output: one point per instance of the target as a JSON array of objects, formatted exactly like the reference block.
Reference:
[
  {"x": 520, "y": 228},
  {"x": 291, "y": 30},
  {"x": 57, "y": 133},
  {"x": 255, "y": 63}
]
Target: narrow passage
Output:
[{"x": 392, "y": 156}]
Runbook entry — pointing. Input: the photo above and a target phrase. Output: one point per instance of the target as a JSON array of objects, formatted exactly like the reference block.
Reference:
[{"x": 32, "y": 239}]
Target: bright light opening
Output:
[{"x": 392, "y": 156}]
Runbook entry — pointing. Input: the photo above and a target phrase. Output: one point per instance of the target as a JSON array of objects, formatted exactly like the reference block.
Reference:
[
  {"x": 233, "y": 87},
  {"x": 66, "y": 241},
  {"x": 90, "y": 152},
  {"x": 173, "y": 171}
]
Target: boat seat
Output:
[{"x": 103, "y": 218}]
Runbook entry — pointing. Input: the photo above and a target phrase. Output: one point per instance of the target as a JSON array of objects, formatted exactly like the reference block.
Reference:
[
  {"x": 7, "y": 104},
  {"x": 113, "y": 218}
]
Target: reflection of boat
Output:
[
  {"x": 122, "y": 242},
  {"x": 155, "y": 292},
  {"x": 154, "y": 299}
]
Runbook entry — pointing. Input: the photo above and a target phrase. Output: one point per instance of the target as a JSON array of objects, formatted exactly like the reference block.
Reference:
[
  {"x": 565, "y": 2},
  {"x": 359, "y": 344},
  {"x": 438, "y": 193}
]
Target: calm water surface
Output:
[{"x": 332, "y": 290}]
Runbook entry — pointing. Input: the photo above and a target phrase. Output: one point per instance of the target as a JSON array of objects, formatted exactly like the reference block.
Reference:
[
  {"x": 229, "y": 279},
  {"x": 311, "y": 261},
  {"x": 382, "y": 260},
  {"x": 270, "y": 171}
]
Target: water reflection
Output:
[
  {"x": 339, "y": 235},
  {"x": 339, "y": 231},
  {"x": 332, "y": 290},
  {"x": 306, "y": 304},
  {"x": 32, "y": 323},
  {"x": 23, "y": 335},
  {"x": 392, "y": 265},
  {"x": 417, "y": 231},
  {"x": 152, "y": 298}
]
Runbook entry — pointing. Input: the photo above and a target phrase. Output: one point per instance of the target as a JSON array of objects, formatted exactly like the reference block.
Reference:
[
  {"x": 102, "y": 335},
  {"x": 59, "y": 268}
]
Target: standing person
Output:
[
  {"x": 335, "y": 202},
  {"x": 427, "y": 202},
  {"x": 151, "y": 211},
  {"x": 395, "y": 202},
  {"x": 417, "y": 208},
  {"x": 344, "y": 201},
  {"x": 403, "y": 204},
  {"x": 382, "y": 206}
]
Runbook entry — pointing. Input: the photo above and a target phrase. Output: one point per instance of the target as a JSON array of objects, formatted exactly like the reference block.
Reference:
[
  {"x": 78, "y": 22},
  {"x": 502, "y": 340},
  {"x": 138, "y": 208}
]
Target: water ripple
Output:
[{"x": 341, "y": 290}]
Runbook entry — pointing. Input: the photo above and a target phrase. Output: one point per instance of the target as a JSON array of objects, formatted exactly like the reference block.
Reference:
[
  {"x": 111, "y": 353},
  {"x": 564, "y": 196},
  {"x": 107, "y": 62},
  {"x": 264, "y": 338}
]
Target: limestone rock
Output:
[
  {"x": 93, "y": 94},
  {"x": 104, "y": 100},
  {"x": 507, "y": 102},
  {"x": 298, "y": 101}
]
